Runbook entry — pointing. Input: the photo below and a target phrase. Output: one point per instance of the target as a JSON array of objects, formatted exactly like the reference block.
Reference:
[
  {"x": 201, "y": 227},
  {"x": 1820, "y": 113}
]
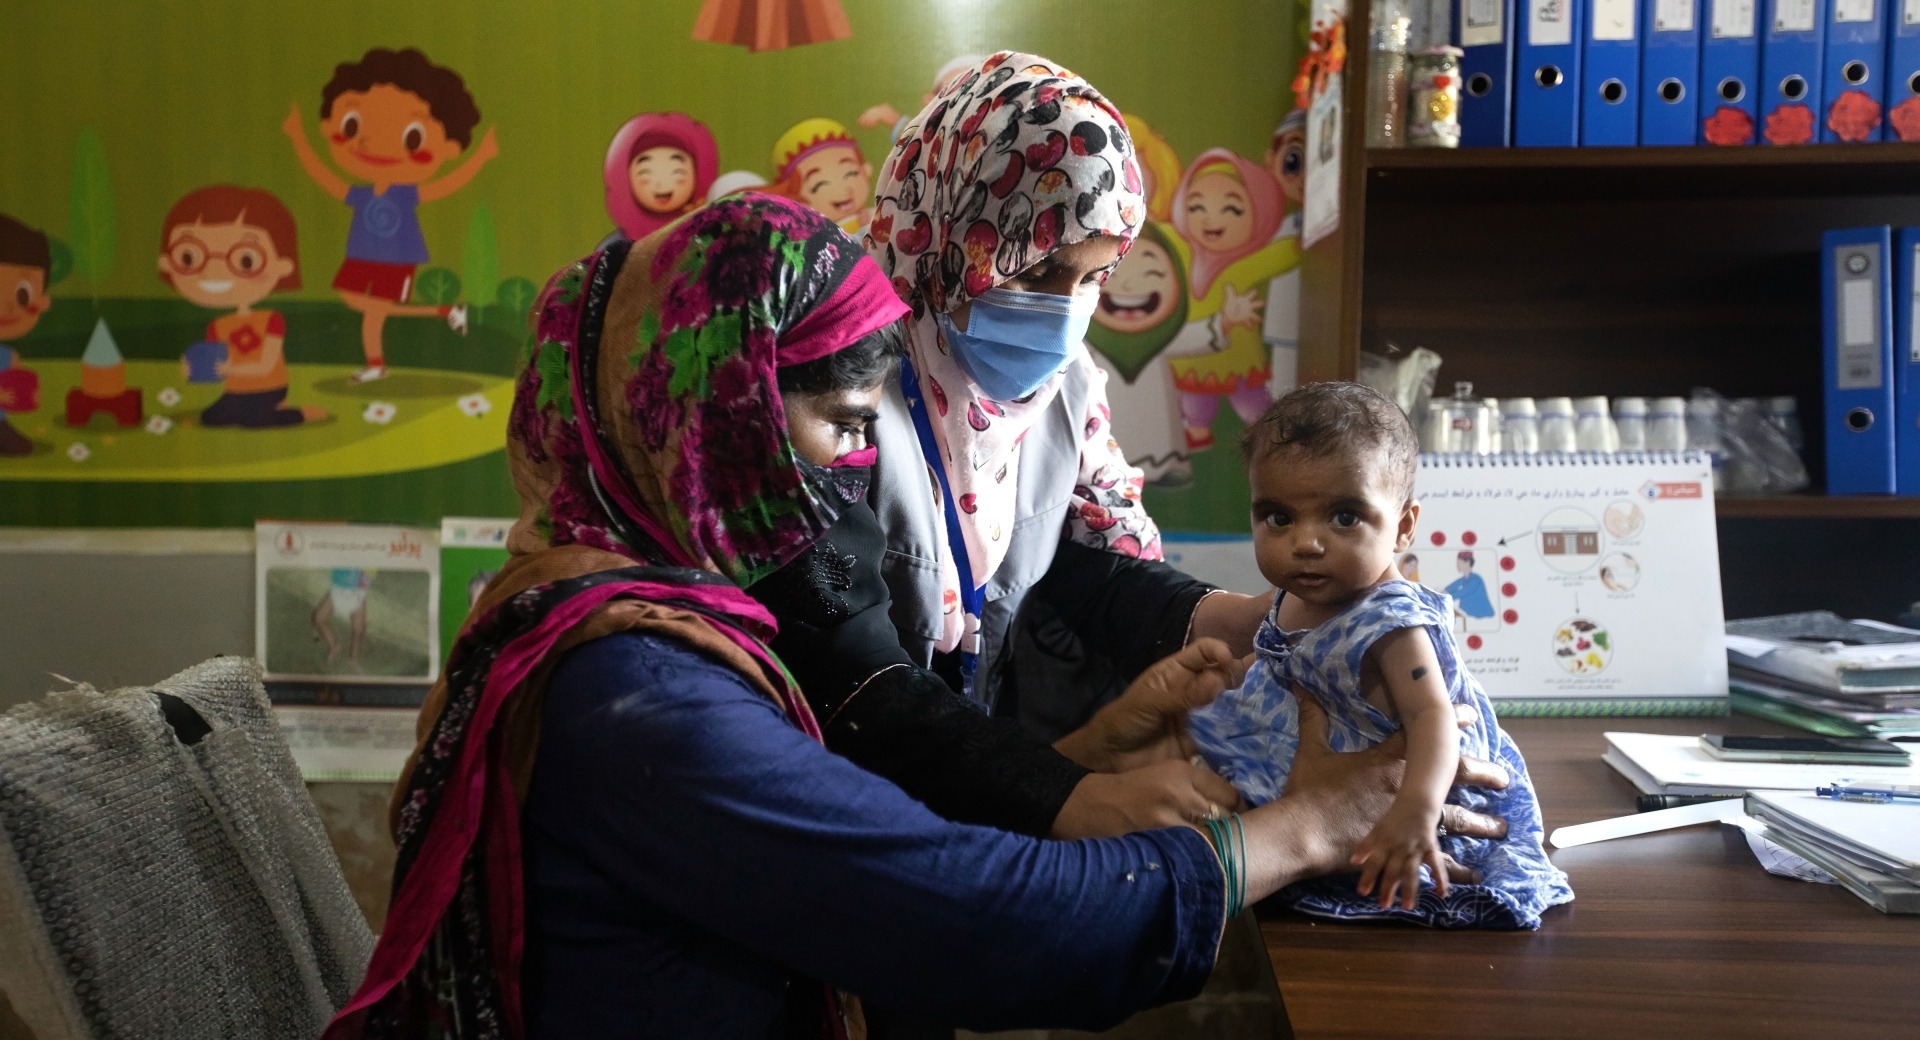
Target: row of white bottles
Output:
[{"x": 1467, "y": 424}]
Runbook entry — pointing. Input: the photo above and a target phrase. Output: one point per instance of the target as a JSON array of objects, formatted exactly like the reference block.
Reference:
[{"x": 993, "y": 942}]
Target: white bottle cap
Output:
[
  {"x": 1783, "y": 405},
  {"x": 1669, "y": 405},
  {"x": 1703, "y": 407},
  {"x": 1591, "y": 406},
  {"x": 1517, "y": 406},
  {"x": 1556, "y": 406},
  {"x": 1629, "y": 406}
]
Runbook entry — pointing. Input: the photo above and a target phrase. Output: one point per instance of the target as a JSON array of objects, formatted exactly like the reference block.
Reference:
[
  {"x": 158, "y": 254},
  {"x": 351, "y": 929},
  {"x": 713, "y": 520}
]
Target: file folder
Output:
[
  {"x": 1730, "y": 72},
  {"x": 1669, "y": 70},
  {"x": 1610, "y": 68},
  {"x": 1902, "y": 94},
  {"x": 1546, "y": 88},
  {"x": 1906, "y": 362},
  {"x": 1487, "y": 34},
  {"x": 1790, "y": 52},
  {"x": 1853, "y": 84},
  {"x": 1858, "y": 332}
]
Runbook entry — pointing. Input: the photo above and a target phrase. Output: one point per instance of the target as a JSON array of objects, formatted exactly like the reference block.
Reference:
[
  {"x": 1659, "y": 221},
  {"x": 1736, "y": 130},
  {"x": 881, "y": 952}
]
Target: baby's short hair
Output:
[{"x": 1333, "y": 418}]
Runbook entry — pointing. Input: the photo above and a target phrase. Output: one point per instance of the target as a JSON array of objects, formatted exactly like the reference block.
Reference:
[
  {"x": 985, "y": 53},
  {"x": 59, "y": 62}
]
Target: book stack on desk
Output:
[
  {"x": 1821, "y": 672},
  {"x": 1871, "y": 848},
  {"x": 1661, "y": 763}
]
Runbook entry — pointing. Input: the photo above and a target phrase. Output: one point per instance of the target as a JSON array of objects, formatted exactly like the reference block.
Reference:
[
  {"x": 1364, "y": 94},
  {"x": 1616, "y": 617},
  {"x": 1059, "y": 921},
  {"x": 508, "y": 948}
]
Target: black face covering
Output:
[{"x": 831, "y": 602}]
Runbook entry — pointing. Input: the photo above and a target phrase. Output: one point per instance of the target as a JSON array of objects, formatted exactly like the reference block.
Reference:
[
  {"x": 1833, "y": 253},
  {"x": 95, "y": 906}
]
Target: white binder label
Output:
[
  {"x": 1613, "y": 19},
  {"x": 1913, "y": 332},
  {"x": 1733, "y": 19},
  {"x": 1486, "y": 23},
  {"x": 1859, "y": 353},
  {"x": 1910, "y": 12},
  {"x": 1550, "y": 23},
  {"x": 1853, "y": 10},
  {"x": 1794, "y": 15},
  {"x": 1673, "y": 15}
]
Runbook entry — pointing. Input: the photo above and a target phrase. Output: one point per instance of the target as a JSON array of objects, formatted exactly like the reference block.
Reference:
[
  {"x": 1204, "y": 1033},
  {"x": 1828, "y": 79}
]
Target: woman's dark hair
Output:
[{"x": 861, "y": 366}]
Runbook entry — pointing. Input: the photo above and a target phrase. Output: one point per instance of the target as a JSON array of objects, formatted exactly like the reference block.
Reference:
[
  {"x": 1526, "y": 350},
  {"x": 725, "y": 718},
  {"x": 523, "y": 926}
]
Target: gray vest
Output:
[{"x": 904, "y": 497}]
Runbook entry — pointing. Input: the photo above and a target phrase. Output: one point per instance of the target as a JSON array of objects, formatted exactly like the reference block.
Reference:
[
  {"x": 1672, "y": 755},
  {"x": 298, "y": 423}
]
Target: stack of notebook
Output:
[
  {"x": 1824, "y": 673},
  {"x": 1660, "y": 763},
  {"x": 1873, "y": 849}
]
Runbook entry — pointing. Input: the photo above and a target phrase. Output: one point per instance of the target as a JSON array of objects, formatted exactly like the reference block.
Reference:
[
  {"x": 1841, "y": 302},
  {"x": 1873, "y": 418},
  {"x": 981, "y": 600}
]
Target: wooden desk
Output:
[{"x": 1676, "y": 934}]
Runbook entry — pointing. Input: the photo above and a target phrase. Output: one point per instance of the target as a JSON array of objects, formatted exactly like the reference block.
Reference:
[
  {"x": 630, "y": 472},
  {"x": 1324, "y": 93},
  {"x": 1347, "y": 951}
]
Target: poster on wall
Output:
[
  {"x": 309, "y": 298},
  {"x": 472, "y": 551},
  {"x": 346, "y": 604}
]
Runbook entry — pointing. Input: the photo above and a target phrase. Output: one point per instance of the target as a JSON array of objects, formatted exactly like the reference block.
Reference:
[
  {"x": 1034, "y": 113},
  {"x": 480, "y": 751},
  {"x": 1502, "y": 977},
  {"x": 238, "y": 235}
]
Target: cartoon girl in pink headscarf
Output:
[
  {"x": 659, "y": 166},
  {"x": 1229, "y": 211}
]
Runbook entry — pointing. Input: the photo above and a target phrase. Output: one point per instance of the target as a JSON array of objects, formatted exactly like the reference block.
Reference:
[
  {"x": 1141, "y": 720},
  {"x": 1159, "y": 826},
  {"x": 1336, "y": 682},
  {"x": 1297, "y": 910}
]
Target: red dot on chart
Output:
[
  {"x": 1469, "y": 538},
  {"x": 1473, "y": 642},
  {"x": 1506, "y": 563},
  {"x": 1509, "y": 589},
  {"x": 1439, "y": 537},
  {"x": 1510, "y": 616}
]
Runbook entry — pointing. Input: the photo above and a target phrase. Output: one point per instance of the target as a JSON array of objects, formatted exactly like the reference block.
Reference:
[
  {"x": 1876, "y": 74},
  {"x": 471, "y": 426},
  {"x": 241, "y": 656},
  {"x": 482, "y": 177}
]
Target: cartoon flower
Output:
[
  {"x": 381, "y": 412},
  {"x": 1729, "y": 126},
  {"x": 475, "y": 405},
  {"x": 1790, "y": 124},
  {"x": 78, "y": 452},
  {"x": 168, "y": 397},
  {"x": 1853, "y": 115},
  {"x": 159, "y": 424}
]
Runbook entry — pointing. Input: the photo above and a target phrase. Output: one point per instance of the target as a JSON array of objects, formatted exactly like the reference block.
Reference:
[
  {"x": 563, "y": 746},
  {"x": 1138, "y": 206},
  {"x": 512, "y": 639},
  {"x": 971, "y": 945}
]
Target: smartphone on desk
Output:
[{"x": 1852, "y": 751}]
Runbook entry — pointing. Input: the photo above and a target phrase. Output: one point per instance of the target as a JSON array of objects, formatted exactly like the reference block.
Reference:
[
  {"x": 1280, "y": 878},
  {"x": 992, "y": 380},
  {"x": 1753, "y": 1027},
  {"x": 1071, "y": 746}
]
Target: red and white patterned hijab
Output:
[{"x": 1010, "y": 162}]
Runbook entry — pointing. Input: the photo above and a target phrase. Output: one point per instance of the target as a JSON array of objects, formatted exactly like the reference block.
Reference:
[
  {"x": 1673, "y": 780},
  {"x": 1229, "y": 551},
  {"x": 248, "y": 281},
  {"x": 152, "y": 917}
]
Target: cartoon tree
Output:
[
  {"x": 516, "y": 299},
  {"x": 480, "y": 258},
  {"x": 61, "y": 255},
  {"x": 438, "y": 286},
  {"x": 90, "y": 211}
]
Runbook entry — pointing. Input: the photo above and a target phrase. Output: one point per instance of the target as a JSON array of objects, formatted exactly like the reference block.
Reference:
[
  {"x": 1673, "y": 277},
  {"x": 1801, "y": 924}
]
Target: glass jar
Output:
[
  {"x": 1433, "y": 98},
  {"x": 1387, "y": 76}
]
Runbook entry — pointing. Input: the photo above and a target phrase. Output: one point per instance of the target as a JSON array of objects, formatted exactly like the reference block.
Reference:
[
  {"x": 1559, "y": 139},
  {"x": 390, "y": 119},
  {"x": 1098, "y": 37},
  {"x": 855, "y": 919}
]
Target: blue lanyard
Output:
[{"x": 972, "y": 597}]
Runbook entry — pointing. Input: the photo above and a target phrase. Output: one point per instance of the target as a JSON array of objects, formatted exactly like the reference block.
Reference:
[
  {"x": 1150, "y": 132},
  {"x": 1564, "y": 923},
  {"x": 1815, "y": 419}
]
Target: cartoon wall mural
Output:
[
  {"x": 659, "y": 166},
  {"x": 1280, "y": 325},
  {"x": 26, "y": 273},
  {"x": 818, "y": 162},
  {"x": 335, "y": 300},
  {"x": 392, "y": 120},
  {"x": 1229, "y": 210}
]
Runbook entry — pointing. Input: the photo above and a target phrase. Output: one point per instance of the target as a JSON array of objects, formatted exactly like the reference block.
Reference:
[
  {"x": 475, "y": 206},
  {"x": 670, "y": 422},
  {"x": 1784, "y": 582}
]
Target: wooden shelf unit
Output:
[{"x": 1817, "y": 507}]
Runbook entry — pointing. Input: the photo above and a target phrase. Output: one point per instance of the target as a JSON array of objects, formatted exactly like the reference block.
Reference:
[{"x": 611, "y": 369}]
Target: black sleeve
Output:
[
  {"x": 1129, "y": 610},
  {"x": 906, "y": 724}
]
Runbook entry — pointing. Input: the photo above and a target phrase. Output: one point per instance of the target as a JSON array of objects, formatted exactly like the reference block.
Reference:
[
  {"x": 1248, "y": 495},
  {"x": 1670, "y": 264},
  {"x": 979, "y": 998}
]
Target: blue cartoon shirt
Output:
[
  {"x": 386, "y": 227},
  {"x": 1250, "y": 735}
]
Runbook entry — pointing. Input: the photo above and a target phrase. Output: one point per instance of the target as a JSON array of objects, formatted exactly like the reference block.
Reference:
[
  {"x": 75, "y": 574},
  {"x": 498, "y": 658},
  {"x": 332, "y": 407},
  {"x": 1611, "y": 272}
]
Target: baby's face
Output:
[{"x": 1325, "y": 529}]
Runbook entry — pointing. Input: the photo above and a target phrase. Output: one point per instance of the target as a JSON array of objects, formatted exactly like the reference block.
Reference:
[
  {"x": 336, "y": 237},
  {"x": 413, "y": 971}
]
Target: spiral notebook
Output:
[{"x": 1582, "y": 584}]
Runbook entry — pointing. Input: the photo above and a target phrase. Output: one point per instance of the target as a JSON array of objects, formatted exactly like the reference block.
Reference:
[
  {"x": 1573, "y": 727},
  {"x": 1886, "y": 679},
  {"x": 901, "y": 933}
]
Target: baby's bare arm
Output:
[{"x": 1419, "y": 693}]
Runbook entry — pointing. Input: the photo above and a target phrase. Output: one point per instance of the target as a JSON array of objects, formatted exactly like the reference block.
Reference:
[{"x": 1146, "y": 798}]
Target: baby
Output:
[{"x": 1332, "y": 468}]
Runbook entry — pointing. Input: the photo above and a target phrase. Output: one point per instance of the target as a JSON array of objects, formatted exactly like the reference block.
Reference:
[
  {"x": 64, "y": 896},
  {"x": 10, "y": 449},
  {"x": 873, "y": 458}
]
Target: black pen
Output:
[{"x": 1651, "y": 802}]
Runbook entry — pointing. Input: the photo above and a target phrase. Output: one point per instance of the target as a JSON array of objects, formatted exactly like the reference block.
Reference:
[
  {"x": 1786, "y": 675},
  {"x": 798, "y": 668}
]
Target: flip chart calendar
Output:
[{"x": 1580, "y": 584}]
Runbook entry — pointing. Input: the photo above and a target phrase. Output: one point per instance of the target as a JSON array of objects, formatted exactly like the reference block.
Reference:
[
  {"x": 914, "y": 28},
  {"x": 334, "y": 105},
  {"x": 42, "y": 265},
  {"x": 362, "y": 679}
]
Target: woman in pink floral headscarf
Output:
[{"x": 999, "y": 212}]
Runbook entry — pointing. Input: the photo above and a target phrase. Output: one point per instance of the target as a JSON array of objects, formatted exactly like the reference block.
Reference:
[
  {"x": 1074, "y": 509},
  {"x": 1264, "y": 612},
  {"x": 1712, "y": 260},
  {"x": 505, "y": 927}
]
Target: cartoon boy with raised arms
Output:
[{"x": 392, "y": 120}]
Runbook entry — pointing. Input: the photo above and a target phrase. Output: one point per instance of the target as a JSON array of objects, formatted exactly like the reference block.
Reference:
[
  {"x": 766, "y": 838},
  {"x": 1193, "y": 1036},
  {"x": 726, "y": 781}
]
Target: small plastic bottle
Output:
[
  {"x": 1387, "y": 76},
  {"x": 1593, "y": 427},
  {"x": 1630, "y": 422},
  {"x": 1784, "y": 414},
  {"x": 1519, "y": 427},
  {"x": 1556, "y": 425},
  {"x": 1703, "y": 433},
  {"x": 1490, "y": 418},
  {"x": 1667, "y": 424}
]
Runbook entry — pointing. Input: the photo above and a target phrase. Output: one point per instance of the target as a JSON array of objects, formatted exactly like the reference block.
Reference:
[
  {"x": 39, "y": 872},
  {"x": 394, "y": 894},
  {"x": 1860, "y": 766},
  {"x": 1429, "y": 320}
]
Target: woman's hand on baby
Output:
[
  {"x": 1148, "y": 723},
  {"x": 1391, "y": 855},
  {"x": 1165, "y": 794}
]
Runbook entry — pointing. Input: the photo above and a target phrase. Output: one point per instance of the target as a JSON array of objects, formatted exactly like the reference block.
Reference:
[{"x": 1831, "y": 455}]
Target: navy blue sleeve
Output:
[{"x": 667, "y": 772}]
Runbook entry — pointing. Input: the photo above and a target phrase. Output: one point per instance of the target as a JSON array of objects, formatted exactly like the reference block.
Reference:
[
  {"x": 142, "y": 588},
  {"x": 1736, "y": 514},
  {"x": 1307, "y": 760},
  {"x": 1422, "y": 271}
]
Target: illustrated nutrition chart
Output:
[{"x": 1579, "y": 583}]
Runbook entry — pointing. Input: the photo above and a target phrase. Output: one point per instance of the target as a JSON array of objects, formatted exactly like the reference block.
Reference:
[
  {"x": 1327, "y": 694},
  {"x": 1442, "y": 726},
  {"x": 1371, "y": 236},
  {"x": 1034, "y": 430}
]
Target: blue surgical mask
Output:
[{"x": 1016, "y": 341}]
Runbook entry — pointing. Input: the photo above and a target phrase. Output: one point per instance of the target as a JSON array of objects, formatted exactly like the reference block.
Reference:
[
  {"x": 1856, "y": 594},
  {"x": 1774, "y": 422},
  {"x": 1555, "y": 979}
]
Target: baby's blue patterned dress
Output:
[{"x": 1250, "y": 735}]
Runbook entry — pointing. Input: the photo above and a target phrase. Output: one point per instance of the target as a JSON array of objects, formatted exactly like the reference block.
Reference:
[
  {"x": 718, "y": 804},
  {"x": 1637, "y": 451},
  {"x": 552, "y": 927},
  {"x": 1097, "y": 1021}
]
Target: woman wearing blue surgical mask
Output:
[{"x": 1020, "y": 560}]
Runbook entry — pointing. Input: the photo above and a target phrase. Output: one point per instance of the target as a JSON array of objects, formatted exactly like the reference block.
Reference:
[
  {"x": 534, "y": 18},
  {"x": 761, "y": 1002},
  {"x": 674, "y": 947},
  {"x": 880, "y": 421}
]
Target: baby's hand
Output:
[{"x": 1390, "y": 857}]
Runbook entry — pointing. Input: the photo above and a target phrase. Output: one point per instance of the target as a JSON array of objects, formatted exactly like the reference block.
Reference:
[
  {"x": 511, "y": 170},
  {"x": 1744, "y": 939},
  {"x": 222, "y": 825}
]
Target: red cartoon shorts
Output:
[{"x": 380, "y": 280}]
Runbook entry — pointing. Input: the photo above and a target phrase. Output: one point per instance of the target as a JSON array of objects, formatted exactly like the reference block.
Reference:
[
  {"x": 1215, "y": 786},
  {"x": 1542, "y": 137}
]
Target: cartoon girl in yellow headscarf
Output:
[{"x": 1229, "y": 210}]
